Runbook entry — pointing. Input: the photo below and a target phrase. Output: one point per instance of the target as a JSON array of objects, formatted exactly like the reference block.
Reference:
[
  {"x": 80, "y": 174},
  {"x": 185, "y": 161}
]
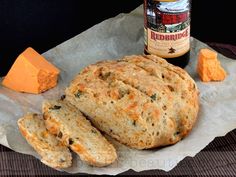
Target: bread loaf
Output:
[{"x": 141, "y": 101}]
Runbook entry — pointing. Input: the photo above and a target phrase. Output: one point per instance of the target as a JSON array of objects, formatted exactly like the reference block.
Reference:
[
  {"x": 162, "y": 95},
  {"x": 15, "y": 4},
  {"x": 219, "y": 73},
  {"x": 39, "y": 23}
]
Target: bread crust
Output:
[
  {"x": 141, "y": 101},
  {"x": 52, "y": 152},
  {"x": 75, "y": 131}
]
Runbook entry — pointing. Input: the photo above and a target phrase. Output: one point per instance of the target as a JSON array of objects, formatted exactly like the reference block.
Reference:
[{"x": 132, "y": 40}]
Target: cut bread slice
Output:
[
  {"x": 75, "y": 131},
  {"x": 53, "y": 153}
]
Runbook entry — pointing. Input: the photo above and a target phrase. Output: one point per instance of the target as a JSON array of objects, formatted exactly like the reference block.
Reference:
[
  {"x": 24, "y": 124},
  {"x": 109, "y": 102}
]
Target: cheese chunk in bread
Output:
[
  {"x": 52, "y": 151},
  {"x": 75, "y": 131}
]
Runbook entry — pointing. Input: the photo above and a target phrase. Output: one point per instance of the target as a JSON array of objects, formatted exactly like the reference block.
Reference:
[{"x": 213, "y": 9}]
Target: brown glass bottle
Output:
[{"x": 167, "y": 30}]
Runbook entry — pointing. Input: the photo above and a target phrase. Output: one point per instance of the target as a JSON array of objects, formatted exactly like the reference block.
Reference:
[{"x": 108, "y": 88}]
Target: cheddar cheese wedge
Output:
[
  {"x": 31, "y": 73},
  {"x": 209, "y": 67}
]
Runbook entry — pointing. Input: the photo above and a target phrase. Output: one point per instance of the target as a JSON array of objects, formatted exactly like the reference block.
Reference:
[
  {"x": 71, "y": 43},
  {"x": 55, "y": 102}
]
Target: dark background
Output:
[{"x": 44, "y": 24}]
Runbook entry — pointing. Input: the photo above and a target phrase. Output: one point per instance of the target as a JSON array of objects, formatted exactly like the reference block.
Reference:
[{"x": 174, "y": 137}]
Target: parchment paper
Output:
[{"x": 111, "y": 39}]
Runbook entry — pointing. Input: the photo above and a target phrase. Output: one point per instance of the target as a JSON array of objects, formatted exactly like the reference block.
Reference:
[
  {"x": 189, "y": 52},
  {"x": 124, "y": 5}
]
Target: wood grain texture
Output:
[{"x": 217, "y": 159}]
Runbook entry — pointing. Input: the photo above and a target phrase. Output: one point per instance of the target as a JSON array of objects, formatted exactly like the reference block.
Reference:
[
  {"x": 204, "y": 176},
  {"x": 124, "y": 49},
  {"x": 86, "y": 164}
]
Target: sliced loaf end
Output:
[
  {"x": 74, "y": 130},
  {"x": 51, "y": 151}
]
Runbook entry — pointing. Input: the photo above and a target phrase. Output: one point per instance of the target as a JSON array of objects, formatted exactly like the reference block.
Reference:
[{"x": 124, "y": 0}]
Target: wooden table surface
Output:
[{"x": 218, "y": 159}]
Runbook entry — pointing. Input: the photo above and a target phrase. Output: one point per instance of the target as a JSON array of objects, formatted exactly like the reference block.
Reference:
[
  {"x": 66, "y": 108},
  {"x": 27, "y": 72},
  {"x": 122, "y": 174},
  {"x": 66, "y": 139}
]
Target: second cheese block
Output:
[
  {"x": 31, "y": 73},
  {"x": 209, "y": 67}
]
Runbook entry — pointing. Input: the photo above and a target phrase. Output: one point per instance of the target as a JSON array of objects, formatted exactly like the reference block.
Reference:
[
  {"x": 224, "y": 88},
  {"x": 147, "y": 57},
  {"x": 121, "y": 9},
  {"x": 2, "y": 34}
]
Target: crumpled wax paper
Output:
[{"x": 111, "y": 39}]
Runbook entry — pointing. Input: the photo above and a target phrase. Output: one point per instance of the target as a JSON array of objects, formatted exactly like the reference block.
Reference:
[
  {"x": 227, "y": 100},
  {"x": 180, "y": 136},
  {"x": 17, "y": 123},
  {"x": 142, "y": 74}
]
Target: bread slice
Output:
[
  {"x": 75, "y": 131},
  {"x": 53, "y": 153}
]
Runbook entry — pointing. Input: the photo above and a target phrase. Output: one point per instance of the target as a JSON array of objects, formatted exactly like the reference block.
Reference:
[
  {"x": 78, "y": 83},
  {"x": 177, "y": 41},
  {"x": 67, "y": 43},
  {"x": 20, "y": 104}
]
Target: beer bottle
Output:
[{"x": 167, "y": 30}]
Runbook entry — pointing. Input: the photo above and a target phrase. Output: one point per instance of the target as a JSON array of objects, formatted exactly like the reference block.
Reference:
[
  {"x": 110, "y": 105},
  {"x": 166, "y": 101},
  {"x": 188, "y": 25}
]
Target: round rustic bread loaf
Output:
[{"x": 141, "y": 101}]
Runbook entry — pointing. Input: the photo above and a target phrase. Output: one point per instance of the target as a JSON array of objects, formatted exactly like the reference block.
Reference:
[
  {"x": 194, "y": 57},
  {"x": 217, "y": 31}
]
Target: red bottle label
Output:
[{"x": 167, "y": 27}]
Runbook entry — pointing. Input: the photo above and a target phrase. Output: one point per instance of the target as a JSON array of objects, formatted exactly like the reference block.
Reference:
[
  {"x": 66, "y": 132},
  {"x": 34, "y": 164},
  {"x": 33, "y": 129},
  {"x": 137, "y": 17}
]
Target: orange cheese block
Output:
[
  {"x": 31, "y": 73},
  {"x": 209, "y": 67}
]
